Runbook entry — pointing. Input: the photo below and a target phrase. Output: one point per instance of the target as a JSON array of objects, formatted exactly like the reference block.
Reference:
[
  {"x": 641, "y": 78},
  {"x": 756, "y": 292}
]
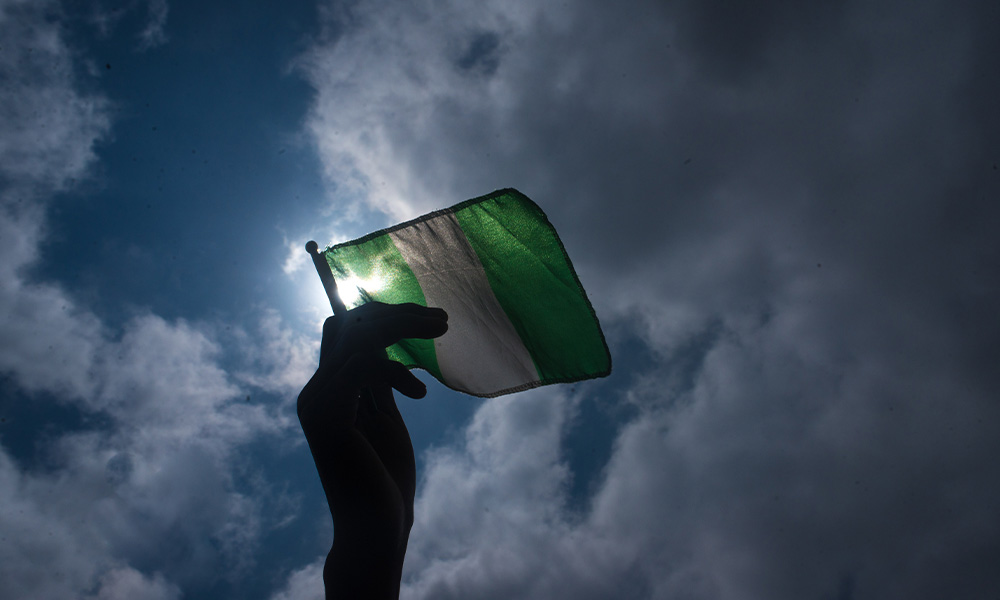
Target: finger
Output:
[
  {"x": 380, "y": 313},
  {"x": 370, "y": 410},
  {"x": 348, "y": 392},
  {"x": 401, "y": 379},
  {"x": 370, "y": 370},
  {"x": 369, "y": 329},
  {"x": 387, "y": 401},
  {"x": 384, "y": 401},
  {"x": 374, "y": 310},
  {"x": 331, "y": 329},
  {"x": 386, "y": 431},
  {"x": 379, "y": 333}
]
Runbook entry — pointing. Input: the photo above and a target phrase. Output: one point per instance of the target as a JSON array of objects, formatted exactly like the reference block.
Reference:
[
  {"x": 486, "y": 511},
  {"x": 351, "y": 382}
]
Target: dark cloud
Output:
[
  {"x": 740, "y": 42},
  {"x": 810, "y": 189},
  {"x": 481, "y": 54}
]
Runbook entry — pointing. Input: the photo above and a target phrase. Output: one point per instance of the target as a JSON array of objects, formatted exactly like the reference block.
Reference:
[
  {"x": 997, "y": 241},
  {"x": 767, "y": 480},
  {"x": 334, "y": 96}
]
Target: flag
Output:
[{"x": 518, "y": 317}]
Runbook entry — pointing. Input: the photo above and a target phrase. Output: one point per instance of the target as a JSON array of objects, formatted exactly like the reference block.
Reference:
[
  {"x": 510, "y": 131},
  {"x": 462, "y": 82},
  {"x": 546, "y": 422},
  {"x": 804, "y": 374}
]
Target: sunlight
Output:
[
  {"x": 350, "y": 289},
  {"x": 311, "y": 293}
]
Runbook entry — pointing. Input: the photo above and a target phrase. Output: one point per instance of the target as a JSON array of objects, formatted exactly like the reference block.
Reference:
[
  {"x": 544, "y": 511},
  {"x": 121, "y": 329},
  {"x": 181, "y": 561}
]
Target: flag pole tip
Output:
[{"x": 312, "y": 247}]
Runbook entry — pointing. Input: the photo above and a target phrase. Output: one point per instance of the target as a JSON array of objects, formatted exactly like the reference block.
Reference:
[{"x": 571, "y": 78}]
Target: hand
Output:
[{"x": 361, "y": 445}]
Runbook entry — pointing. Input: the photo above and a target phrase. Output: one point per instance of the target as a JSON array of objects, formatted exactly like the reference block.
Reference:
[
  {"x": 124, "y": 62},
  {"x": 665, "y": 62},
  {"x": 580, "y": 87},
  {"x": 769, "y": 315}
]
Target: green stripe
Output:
[
  {"x": 535, "y": 283},
  {"x": 378, "y": 259}
]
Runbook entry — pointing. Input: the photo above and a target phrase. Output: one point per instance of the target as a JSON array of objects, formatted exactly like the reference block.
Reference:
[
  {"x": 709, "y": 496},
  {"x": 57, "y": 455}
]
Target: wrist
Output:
[{"x": 359, "y": 569}]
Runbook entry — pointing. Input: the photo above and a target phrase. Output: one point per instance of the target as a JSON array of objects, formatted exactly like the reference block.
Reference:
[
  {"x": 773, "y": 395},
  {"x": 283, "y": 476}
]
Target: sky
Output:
[{"x": 785, "y": 216}]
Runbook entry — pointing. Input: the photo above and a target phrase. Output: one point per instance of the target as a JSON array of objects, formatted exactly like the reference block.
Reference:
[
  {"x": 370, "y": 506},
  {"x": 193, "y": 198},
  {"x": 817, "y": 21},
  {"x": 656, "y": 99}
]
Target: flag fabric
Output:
[{"x": 518, "y": 317}]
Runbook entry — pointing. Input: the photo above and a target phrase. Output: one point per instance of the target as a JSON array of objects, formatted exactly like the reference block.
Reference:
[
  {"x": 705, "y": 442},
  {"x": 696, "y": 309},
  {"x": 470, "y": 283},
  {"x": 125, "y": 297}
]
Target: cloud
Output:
[
  {"x": 47, "y": 128},
  {"x": 50, "y": 342},
  {"x": 162, "y": 508},
  {"x": 368, "y": 146},
  {"x": 142, "y": 498},
  {"x": 775, "y": 475},
  {"x": 153, "y": 33},
  {"x": 276, "y": 358},
  {"x": 47, "y": 134},
  {"x": 155, "y": 486},
  {"x": 31, "y": 538},
  {"x": 125, "y": 583},
  {"x": 493, "y": 537},
  {"x": 789, "y": 207},
  {"x": 296, "y": 260},
  {"x": 304, "y": 584}
]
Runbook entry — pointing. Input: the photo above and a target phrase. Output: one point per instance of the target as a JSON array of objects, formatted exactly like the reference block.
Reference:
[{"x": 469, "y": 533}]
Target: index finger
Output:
[
  {"x": 385, "y": 316},
  {"x": 379, "y": 333},
  {"x": 376, "y": 310}
]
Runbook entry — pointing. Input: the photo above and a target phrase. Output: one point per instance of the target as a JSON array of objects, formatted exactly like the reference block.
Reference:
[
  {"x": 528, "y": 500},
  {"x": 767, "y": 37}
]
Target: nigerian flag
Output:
[{"x": 517, "y": 315}]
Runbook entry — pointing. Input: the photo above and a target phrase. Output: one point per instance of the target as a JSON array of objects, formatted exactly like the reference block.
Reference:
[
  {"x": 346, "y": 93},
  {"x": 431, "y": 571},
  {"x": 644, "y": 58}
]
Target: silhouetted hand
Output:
[{"x": 361, "y": 446}]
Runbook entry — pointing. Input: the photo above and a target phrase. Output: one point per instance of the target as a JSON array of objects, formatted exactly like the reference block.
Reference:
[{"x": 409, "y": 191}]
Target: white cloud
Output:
[
  {"x": 127, "y": 584},
  {"x": 49, "y": 343},
  {"x": 41, "y": 556},
  {"x": 297, "y": 259},
  {"x": 157, "y": 487},
  {"x": 510, "y": 462},
  {"x": 489, "y": 513},
  {"x": 145, "y": 500},
  {"x": 153, "y": 33},
  {"x": 304, "y": 584},
  {"x": 47, "y": 134},
  {"x": 277, "y": 358},
  {"x": 378, "y": 97},
  {"x": 47, "y": 128}
]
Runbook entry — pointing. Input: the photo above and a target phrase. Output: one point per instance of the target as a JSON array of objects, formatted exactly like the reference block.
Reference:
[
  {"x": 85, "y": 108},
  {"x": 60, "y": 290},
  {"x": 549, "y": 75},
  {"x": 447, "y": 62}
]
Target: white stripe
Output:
[{"x": 481, "y": 353}]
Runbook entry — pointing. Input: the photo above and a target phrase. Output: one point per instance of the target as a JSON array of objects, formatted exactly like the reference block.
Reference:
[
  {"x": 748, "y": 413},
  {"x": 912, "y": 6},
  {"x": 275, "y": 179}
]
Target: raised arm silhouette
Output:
[{"x": 361, "y": 445}]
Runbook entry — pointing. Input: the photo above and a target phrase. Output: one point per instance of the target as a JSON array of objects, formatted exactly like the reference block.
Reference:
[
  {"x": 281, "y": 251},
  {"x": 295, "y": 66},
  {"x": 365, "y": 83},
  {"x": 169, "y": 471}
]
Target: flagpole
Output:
[
  {"x": 330, "y": 285},
  {"x": 326, "y": 276}
]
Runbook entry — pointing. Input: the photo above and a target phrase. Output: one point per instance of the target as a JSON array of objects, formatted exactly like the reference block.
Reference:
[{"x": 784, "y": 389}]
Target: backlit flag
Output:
[{"x": 518, "y": 317}]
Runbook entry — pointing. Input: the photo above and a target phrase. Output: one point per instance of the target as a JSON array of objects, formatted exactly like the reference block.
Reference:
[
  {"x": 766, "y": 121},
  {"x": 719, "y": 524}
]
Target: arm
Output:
[{"x": 361, "y": 446}]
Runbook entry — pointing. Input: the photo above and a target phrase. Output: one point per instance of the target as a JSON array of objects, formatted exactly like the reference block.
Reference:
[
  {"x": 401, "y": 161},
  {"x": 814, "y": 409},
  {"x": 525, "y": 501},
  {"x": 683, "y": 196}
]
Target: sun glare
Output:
[
  {"x": 350, "y": 289},
  {"x": 314, "y": 296}
]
